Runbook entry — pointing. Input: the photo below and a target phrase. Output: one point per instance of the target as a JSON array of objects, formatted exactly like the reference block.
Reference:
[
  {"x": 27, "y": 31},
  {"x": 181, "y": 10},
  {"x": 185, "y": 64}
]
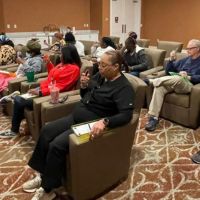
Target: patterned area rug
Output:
[{"x": 161, "y": 168}]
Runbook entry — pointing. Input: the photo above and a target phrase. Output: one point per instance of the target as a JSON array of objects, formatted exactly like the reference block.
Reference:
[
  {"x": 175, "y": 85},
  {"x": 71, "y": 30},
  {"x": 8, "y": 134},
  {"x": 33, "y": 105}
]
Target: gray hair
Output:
[{"x": 195, "y": 42}]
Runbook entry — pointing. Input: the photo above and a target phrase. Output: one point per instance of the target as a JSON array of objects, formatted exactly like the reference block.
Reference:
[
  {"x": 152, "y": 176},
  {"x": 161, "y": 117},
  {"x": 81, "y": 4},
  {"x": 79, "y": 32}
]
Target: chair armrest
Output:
[
  {"x": 25, "y": 86},
  {"x": 100, "y": 160},
  {"x": 150, "y": 72},
  {"x": 5, "y": 67},
  {"x": 50, "y": 112},
  {"x": 15, "y": 84},
  {"x": 195, "y": 104},
  {"x": 75, "y": 140},
  {"x": 157, "y": 75}
]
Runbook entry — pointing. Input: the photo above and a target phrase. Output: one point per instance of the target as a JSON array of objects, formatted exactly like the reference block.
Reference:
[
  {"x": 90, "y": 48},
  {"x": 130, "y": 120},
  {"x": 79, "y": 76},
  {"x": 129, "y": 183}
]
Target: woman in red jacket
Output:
[{"x": 64, "y": 76}]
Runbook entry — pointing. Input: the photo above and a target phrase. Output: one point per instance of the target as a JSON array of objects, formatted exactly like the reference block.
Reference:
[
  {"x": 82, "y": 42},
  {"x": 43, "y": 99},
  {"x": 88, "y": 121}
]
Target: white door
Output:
[
  {"x": 116, "y": 18},
  {"x": 125, "y": 17}
]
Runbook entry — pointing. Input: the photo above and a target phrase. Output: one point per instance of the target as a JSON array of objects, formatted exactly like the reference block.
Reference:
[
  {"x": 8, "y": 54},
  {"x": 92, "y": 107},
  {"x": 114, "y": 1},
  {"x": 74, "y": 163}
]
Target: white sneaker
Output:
[
  {"x": 7, "y": 134},
  {"x": 9, "y": 97},
  {"x": 40, "y": 194},
  {"x": 32, "y": 185}
]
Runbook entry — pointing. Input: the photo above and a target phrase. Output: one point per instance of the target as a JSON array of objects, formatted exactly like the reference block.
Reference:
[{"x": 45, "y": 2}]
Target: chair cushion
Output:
[
  {"x": 182, "y": 100},
  {"x": 169, "y": 46},
  {"x": 157, "y": 56}
]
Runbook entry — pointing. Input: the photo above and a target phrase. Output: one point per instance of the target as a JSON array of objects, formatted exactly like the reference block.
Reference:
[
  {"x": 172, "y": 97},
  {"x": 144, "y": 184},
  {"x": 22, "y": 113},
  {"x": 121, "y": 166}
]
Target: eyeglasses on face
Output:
[
  {"x": 190, "y": 48},
  {"x": 104, "y": 65}
]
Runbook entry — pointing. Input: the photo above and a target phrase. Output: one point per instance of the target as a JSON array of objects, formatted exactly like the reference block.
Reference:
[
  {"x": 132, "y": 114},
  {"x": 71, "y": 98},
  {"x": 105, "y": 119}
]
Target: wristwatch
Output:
[{"x": 106, "y": 121}]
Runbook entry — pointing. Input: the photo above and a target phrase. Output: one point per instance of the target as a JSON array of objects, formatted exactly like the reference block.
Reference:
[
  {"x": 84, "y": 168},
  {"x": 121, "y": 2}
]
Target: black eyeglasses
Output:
[{"x": 190, "y": 48}]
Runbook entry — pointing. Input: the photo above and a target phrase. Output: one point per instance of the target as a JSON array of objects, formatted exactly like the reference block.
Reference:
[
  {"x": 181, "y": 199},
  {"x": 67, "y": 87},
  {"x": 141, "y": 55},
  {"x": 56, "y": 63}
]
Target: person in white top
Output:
[
  {"x": 70, "y": 39},
  {"x": 106, "y": 44},
  {"x": 98, "y": 49}
]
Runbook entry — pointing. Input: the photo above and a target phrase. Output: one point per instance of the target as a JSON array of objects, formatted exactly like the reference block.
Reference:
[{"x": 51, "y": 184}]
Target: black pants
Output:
[
  {"x": 18, "y": 111},
  {"x": 49, "y": 156}
]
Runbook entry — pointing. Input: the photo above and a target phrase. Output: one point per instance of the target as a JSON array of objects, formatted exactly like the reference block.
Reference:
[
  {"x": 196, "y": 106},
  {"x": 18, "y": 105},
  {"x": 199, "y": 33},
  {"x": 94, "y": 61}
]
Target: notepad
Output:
[
  {"x": 82, "y": 131},
  {"x": 28, "y": 96},
  {"x": 177, "y": 74}
]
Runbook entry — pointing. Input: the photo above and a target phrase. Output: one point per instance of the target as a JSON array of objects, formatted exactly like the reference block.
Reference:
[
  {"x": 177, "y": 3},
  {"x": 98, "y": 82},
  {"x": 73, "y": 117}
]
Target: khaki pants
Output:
[{"x": 165, "y": 85}]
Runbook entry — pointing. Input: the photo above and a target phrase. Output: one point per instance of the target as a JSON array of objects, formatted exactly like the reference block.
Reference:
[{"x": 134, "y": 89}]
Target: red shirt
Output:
[{"x": 65, "y": 76}]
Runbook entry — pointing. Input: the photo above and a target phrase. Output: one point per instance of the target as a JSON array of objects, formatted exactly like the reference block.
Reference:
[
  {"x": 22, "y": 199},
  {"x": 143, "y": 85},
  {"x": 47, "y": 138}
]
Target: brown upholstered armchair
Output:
[
  {"x": 183, "y": 109},
  {"x": 87, "y": 46},
  {"x": 143, "y": 42},
  {"x": 95, "y": 166},
  {"x": 169, "y": 46},
  {"x": 157, "y": 56},
  {"x": 15, "y": 85}
]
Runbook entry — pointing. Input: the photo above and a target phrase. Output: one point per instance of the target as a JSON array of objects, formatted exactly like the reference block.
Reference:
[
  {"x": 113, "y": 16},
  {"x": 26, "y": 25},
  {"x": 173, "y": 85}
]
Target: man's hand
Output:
[
  {"x": 84, "y": 80},
  {"x": 183, "y": 74},
  {"x": 97, "y": 129}
]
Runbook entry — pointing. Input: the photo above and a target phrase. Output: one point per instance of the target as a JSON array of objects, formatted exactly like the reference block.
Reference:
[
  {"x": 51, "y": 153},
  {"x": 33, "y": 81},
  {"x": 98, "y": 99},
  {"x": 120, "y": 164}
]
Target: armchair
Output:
[
  {"x": 143, "y": 42},
  {"x": 115, "y": 39},
  {"x": 87, "y": 44},
  {"x": 157, "y": 56},
  {"x": 91, "y": 169},
  {"x": 15, "y": 85},
  {"x": 183, "y": 109},
  {"x": 169, "y": 46}
]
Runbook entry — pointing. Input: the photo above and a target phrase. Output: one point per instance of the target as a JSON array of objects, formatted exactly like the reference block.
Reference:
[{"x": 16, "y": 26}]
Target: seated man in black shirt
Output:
[{"x": 107, "y": 97}]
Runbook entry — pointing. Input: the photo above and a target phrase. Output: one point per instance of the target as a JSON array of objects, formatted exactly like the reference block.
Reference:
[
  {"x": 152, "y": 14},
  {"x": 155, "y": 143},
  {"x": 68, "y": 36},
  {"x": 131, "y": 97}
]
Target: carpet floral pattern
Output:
[{"x": 161, "y": 168}]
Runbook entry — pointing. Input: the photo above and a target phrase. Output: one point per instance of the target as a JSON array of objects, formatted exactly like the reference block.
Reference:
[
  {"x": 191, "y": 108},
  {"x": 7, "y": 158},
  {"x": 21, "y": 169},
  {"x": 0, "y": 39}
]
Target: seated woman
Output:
[
  {"x": 70, "y": 39},
  {"x": 58, "y": 42},
  {"x": 107, "y": 98},
  {"x": 135, "y": 58},
  {"x": 65, "y": 76},
  {"x": 7, "y": 52},
  {"x": 97, "y": 50},
  {"x": 32, "y": 62}
]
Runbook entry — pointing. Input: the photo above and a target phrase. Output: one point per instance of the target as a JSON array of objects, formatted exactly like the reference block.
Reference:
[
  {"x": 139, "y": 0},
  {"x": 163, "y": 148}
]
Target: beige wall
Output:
[
  {"x": 176, "y": 20},
  {"x": 31, "y": 15},
  {"x": 1, "y": 17}
]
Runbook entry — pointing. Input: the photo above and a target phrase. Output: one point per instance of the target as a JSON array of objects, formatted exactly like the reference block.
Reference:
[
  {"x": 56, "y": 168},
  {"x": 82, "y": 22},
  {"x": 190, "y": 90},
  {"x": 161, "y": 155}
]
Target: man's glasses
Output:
[{"x": 190, "y": 48}]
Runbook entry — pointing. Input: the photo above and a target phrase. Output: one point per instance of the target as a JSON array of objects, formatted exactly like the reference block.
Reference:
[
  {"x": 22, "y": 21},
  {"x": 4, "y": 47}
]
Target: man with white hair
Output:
[{"x": 188, "y": 74}]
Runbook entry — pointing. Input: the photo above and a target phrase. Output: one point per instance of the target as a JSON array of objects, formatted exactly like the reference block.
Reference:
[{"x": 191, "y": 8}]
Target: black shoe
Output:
[
  {"x": 196, "y": 158},
  {"x": 151, "y": 125},
  {"x": 146, "y": 80}
]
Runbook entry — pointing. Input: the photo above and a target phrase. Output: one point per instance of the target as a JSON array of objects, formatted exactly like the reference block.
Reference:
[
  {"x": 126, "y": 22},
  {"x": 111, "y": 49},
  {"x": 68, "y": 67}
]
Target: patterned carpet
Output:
[{"x": 161, "y": 168}]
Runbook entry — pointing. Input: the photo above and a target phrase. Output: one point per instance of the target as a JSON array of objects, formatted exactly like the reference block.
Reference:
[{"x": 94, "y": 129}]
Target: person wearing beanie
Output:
[
  {"x": 32, "y": 62},
  {"x": 70, "y": 39}
]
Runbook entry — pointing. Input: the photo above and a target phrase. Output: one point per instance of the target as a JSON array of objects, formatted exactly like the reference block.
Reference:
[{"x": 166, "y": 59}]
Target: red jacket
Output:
[{"x": 64, "y": 75}]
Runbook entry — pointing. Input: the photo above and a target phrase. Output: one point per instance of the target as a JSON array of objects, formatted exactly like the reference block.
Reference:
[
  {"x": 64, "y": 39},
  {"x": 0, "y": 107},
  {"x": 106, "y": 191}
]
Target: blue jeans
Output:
[
  {"x": 18, "y": 111},
  {"x": 134, "y": 73}
]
